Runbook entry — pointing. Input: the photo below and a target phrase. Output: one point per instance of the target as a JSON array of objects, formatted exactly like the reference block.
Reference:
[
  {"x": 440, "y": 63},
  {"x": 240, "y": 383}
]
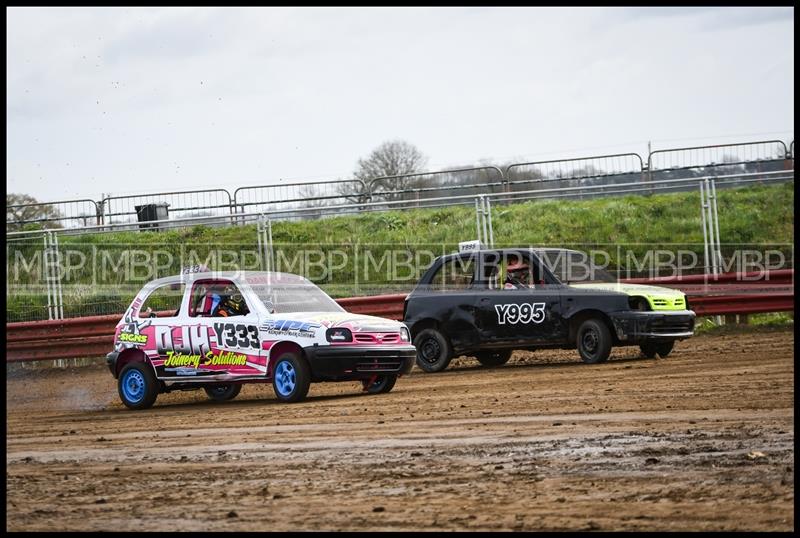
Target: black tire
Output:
[
  {"x": 223, "y": 393},
  {"x": 433, "y": 350},
  {"x": 665, "y": 348},
  {"x": 381, "y": 385},
  {"x": 137, "y": 386},
  {"x": 649, "y": 349},
  {"x": 497, "y": 357},
  {"x": 291, "y": 378},
  {"x": 594, "y": 341}
]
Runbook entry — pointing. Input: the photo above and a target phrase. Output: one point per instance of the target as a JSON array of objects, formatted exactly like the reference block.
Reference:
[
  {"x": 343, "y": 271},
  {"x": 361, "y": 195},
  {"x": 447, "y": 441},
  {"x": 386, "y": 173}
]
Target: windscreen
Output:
[{"x": 299, "y": 297}]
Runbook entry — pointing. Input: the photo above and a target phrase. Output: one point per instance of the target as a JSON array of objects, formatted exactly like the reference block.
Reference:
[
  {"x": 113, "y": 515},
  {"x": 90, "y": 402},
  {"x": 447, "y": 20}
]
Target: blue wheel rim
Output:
[
  {"x": 285, "y": 378},
  {"x": 133, "y": 386}
]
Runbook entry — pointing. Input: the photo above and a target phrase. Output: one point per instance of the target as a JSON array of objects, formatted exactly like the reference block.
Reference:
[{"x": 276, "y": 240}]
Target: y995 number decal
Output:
[{"x": 520, "y": 313}]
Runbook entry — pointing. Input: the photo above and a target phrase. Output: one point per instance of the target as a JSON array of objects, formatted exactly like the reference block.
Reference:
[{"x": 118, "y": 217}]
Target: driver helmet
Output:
[
  {"x": 233, "y": 293},
  {"x": 517, "y": 268}
]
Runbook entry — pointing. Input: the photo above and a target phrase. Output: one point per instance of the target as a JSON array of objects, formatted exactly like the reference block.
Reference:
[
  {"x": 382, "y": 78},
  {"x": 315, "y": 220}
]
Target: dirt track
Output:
[{"x": 703, "y": 440}]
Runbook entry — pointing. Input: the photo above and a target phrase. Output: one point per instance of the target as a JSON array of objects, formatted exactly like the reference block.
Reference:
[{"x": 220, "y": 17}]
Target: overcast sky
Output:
[{"x": 122, "y": 100}]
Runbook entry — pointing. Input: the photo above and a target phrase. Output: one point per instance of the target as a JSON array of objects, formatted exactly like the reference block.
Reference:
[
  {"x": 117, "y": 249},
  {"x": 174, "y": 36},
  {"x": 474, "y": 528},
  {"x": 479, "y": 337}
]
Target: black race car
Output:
[{"x": 487, "y": 303}]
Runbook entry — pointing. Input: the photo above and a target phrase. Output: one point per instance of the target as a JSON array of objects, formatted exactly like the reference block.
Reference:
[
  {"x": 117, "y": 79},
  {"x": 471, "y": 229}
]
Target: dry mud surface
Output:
[{"x": 702, "y": 440}]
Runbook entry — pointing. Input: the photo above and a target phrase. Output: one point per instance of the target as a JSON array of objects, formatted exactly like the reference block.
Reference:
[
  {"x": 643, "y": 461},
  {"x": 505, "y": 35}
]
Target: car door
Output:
[
  {"x": 206, "y": 344},
  {"x": 520, "y": 316},
  {"x": 448, "y": 298}
]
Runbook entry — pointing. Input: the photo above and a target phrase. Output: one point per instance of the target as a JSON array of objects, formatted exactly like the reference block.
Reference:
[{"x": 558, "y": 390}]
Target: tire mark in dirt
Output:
[{"x": 703, "y": 440}]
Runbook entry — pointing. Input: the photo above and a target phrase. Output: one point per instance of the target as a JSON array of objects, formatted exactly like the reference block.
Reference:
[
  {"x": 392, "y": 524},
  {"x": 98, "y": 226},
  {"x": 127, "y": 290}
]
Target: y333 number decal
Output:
[{"x": 520, "y": 313}]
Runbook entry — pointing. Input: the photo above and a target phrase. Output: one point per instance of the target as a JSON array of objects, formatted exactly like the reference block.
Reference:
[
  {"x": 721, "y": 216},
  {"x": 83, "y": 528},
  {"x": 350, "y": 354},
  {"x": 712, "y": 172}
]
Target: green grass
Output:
[
  {"x": 753, "y": 215},
  {"x": 755, "y": 322}
]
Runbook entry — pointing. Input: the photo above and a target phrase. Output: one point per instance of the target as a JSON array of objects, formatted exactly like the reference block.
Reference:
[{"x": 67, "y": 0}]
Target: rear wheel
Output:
[
  {"x": 291, "y": 378},
  {"x": 137, "y": 386},
  {"x": 594, "y": 341},
  {"x": 650, "y": 349},
  {"x": 494, "y": 358},
  {"x": 223, "y": 393},
  {"x": 433, "y": 350},
  {"x": 380, "y": 385}
]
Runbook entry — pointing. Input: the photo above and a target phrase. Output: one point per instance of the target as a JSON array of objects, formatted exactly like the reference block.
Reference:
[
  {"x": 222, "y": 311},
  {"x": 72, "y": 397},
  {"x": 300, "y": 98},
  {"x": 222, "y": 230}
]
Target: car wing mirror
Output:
[{"x": 270, "y": 306}]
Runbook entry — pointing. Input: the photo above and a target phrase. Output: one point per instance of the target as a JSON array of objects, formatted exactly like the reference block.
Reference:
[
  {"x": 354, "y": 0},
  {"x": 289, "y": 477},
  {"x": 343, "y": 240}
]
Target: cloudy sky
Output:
[{"x": 122, "y": 100}]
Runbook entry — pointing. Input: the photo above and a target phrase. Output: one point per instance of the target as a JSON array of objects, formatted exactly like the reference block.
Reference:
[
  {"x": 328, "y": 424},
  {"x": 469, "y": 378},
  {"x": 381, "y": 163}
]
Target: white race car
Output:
[{"x": 219, "y": 330}]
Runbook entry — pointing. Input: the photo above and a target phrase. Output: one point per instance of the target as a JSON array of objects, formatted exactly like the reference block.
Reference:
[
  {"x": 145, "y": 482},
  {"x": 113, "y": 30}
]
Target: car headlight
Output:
[
  {"x": 638, "y": 303},
  {"x": 338, "y": 334},
  {"x": 404, "y": 336}
]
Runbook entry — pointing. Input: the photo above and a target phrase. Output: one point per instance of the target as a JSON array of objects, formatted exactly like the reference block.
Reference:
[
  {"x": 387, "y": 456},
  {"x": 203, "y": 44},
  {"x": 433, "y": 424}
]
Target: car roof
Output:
[
  {"x": 507, "y": 249},
  {"x": 250, "y": 277}
]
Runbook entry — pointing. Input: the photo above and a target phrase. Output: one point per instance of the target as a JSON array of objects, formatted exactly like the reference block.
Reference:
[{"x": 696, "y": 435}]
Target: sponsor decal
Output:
[
  {"x": 181, "y": 371},
  {"x": 130, "y": 338},
  {"x": 186, "y": 339},
  {"x": 226, "y": 358},
  {"x": 520, "y": 313},
  {"x": 290, "y": 327},
  {"x": 130, "y": 333}
]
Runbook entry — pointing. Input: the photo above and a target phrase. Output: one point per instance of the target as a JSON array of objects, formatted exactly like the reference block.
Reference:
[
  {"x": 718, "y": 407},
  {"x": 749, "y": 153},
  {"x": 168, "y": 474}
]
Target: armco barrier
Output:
[
  {"x": 385, "y": 306},
  {"x": 708, "y": 295}
]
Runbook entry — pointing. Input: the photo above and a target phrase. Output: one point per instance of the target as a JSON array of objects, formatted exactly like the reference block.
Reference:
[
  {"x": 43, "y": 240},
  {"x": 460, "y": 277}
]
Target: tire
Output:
[
  {"x": 594, "y": 341},
  {"x": 433, "y": 351},
  {"x": 137, "y": 386},
  {"x": 494, "y": 358},
  {"x": 381, "y": 385},
  {"x": 650, "y": 349},
  {"x": 291, "y": 378},
  {"x": 223, "y": 393},
  {"x": 665, "y": 348}
]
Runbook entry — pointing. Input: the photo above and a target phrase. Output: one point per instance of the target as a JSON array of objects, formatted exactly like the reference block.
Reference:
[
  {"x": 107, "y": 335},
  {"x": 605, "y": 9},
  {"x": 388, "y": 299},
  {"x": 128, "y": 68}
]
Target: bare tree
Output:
[
  {"x": 390, "y": 160},
  {"x": 23, "y": 210}
]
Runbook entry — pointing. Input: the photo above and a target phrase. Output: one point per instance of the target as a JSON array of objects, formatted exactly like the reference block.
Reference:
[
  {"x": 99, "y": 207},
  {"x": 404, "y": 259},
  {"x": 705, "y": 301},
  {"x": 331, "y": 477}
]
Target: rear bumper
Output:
[
  {"x": 634, "y": 327},
  {"x": 359, "y": 362}
]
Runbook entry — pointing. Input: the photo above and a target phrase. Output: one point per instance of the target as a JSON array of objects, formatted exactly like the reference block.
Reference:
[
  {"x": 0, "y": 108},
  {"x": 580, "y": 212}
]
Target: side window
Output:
[
  {"x": 518, "y": 271},
  {"x": 454, "y": 275},
  {"x": 489, "y": 271},
  {"x": 166, "y": 298},
  {"x": 217, "y": 298}
]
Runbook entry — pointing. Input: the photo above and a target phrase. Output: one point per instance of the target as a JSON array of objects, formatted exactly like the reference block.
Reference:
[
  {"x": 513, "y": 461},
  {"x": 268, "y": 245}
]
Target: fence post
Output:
[
  {"x": 716, "y": 222},
  {"x": 46, "y": 274},
  {"x": 260, "y": 243},
  {"x": 99, "y": 212},
  {"x": 58, "y": 279},
  {"x": 705, "y": 232},
  {"x": 478, "y": 217},
  {"x": 489, "y": 216}
]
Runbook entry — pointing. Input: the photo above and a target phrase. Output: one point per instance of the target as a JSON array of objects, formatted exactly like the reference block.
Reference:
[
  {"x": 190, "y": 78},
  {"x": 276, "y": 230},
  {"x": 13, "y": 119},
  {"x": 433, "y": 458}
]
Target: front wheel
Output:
[
  {"x": 433, "y": 350},
  {"x": 137, "y": 386},
  {"x": 649, "y": 349},
  {"x": 291, "y": 378},
  {"x": 594, "y": 341},
  {"x": 380, "y": 385},
  {"x": 223, "y": 393},
  {"x": 493, "y": 358}
]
